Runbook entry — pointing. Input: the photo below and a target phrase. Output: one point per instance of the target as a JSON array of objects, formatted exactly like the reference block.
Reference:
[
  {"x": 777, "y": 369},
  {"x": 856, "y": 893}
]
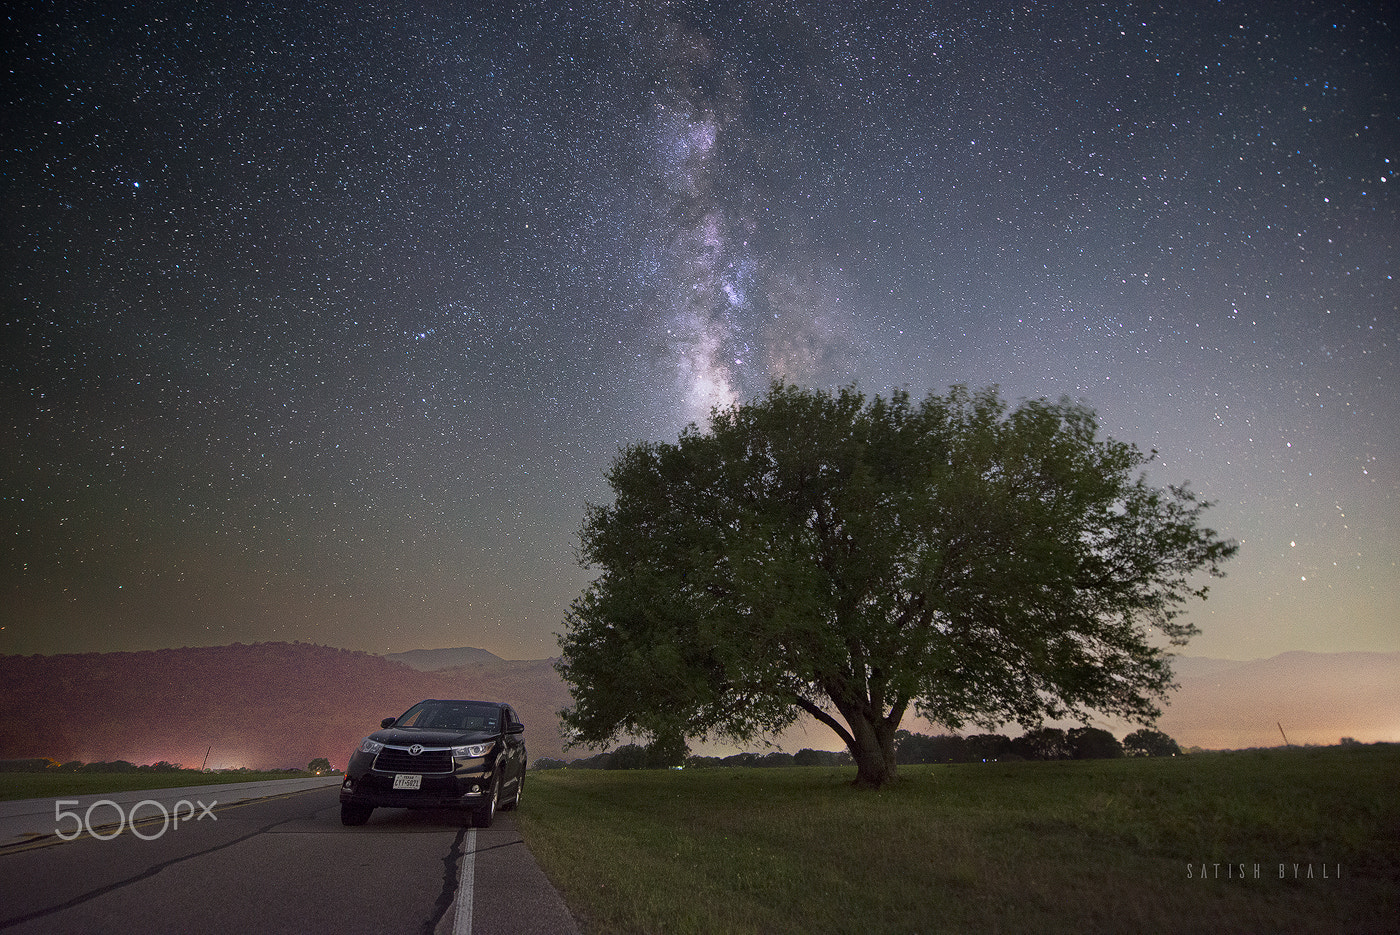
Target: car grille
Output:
[{"x": 399, "y": 760}]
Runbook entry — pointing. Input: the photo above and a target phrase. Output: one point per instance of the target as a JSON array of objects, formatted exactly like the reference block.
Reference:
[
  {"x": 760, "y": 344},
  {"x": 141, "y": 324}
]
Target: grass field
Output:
[
  {"x": 1131, "y": 845},
  {"x": 47, "y": 785}
]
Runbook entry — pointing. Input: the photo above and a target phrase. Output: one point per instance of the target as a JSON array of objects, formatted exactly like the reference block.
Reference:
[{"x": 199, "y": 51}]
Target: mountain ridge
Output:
[
  {"x": 261, "y": 705},
  {"x": 432, "y": 660}
]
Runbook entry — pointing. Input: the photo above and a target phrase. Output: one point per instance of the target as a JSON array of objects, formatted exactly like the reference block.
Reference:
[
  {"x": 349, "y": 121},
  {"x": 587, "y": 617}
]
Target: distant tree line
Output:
[
  {"x": 1044, "y": 743},
  {"x": 45, "y": 764},
  {"x": 636, "y": 756},
  {"x": 803, "y": 757}
]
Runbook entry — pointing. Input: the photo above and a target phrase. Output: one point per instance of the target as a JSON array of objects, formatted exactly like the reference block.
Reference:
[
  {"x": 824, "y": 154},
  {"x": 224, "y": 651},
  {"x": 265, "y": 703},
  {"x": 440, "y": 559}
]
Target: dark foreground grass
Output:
[
  {"x": 48, "y": 785},
  {"x": 1089, "y": 846}
]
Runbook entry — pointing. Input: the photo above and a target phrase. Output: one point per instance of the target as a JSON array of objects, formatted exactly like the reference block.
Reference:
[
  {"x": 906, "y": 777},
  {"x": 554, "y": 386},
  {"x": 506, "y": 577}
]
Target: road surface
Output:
[{"x": 283, "y": 864}]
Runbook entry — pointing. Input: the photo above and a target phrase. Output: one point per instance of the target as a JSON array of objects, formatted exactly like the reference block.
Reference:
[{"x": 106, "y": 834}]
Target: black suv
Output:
[{"x": 438, "y": 754}]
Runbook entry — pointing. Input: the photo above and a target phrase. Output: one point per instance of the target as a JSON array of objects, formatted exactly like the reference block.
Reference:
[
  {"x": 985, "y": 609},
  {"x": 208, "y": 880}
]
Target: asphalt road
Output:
[{"x": 285, "y": 864}]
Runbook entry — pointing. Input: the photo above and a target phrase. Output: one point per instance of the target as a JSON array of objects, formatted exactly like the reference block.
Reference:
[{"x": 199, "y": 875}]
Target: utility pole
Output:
[
  {"x": 1285, "y": 736},
  {"x": 211, "y": 747}
]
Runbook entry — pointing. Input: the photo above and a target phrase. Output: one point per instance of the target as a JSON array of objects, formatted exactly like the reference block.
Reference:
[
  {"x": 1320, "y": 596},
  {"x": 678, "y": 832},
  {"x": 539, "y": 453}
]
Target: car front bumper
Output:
[
  {"x": 403, "y": 799},
  {"x": 375, "y": 788}
]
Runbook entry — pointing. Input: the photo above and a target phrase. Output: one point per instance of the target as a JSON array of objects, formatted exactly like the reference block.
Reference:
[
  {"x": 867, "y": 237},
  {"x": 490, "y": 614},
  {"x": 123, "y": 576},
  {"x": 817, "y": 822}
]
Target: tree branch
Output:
[{"x": 828, "y": 720}]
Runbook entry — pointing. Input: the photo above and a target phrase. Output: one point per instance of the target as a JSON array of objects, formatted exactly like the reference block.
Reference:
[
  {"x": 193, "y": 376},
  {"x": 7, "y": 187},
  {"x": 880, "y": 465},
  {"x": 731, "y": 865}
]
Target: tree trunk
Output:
[
  {"x": 871, "y": 742},
  {"x": 873, "y": 751}
]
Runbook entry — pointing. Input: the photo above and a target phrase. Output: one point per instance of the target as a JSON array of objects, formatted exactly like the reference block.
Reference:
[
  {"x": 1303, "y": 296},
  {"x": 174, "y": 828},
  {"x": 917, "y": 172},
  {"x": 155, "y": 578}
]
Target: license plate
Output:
[{"x": 408, "y": 781}]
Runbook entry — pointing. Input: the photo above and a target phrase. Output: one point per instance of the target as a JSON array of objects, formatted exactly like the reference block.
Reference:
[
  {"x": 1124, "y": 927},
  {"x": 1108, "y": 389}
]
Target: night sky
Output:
[{"x": 324, "y": 323}]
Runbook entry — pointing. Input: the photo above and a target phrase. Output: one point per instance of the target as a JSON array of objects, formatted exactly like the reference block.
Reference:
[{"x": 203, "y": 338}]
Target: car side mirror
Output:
[
  {"x": 388, "y": 722},
  {"x": 516, "y": 728}
]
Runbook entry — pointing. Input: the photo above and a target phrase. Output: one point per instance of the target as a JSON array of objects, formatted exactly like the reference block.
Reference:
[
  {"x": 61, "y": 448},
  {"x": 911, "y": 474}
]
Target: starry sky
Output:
[{"x": 323, "y": 322}]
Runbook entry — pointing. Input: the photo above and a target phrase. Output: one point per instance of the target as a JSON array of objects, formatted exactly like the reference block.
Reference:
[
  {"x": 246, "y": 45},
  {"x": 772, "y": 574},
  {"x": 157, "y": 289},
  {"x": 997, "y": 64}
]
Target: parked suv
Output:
[{"x": 438, "y": 754}]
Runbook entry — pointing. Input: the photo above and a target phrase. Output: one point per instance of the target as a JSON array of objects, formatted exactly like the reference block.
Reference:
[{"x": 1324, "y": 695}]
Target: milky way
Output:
[
  {"x": 705, "y": 271},
  {"x": 324, "y": 324}
]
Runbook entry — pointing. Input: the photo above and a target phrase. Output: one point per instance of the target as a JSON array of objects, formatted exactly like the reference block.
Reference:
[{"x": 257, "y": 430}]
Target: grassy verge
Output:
[
  {"x": 47, "y": 785},
  {"x": 1088, "y": 846}
]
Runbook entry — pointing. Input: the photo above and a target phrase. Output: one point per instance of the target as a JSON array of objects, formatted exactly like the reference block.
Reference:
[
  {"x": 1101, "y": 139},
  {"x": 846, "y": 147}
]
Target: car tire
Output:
[
  {"x": 355, "y": 814},
  {"x": 483, "y": 816},
  {"x": 514, "y": 802}
]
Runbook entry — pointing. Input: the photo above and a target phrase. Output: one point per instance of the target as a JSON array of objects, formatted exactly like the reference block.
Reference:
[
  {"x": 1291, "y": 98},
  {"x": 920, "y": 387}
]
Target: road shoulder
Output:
[{"x": 510, "y": 893}]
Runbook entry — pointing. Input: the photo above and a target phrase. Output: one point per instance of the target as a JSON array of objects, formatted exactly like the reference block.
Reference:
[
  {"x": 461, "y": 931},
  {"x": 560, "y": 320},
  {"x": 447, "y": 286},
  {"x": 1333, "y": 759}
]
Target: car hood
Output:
[{"x": 408, "y": 736}]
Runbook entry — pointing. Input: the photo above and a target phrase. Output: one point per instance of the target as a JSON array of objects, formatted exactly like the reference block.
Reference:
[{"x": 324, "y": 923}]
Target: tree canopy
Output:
[
  {"x": 854, "y": 559},
  {"x": 1149, "y": 742}
]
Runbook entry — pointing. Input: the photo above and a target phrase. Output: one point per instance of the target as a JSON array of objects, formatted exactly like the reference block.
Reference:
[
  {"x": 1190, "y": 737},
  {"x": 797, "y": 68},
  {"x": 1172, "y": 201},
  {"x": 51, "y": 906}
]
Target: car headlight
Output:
[
  {"x": 370, "y": 746},
  {"x": 473, "y": 750}
]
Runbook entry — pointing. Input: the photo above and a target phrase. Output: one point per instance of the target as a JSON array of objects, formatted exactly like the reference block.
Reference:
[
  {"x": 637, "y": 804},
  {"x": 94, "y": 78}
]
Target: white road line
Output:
[{"x": 465, "y": 881}]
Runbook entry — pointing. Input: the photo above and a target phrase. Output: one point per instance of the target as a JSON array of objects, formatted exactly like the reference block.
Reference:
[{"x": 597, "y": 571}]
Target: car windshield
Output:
[{"x": 450, "y": 715}]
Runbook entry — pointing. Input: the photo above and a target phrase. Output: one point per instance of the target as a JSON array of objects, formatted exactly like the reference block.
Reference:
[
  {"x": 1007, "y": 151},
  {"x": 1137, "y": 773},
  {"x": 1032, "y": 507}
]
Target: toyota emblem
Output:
[{"x": 416, "y": 749}]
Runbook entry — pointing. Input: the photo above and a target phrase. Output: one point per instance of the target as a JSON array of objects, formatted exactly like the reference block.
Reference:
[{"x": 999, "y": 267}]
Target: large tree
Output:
[{"x": 848, "y": 559}]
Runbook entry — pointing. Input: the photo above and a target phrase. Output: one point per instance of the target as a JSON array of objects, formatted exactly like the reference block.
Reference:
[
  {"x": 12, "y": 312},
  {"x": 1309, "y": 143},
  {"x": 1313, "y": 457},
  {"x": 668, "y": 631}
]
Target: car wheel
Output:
[
  {"x": 514, "y": 802},
  {"x": 483, "y": 816},
  {"x": 355, "y": 814}
]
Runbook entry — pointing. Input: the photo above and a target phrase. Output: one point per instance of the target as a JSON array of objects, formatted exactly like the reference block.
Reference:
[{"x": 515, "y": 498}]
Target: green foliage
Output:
[
  {"x": 1043, "y": 743},
  {"x": 821, "y": 553},
  {"x": 1093, "y": 743},
  {"x": 918, "y": 748},
  {"x": 658, "y": 754},
  {"x": 319, "y": 765},
  {"x": 809, "y": 757},
  {"x": 667, "y": 751},
  {"x": 631, "y": 756},
  {"x": 547, "y": 762},
  {"x": 774, "y": 759},
  {"x": 988, "y": 747},
  {"x": 112, "y": 766},
  {"x": 1149, "y": 742},
  {"x": 1040, "y": 743}
]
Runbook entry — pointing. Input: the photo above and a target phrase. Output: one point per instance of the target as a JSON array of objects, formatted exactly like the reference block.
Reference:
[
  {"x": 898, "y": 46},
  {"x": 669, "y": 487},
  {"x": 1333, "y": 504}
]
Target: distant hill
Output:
[
  {"x": 275, "y": 705},
  {"x": 431, "y": 660},
  {"x": 267, "y": 705}
]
